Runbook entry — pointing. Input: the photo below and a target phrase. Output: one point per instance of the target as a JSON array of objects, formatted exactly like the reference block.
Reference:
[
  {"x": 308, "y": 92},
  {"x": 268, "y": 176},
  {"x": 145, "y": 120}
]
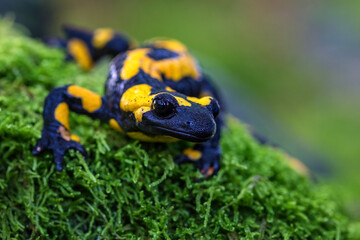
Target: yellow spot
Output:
[
  {"x": 194, "y": 155},
  {"x": 90, "y": 101},
  {"x": 138, "y": 113},
  {"x": 78, "y": 49},
  {"x": 202, "y": 101},
  {"x": 148, "y": 65},
  {"x": 159, "y": 138},
  {"x": 169, "y": 89},
  {"x": 177, "y": 68},
  {"x": 182, "y": 102},
  {"x": 171, "y": 45},
  {"x": 132, "y": 63},
  {"x": 136, "y": 97},
  {"x": 297, "y": 165},
  {"x": 173, "y": 68},
  {"x": 62, "y": 114},
  {"x": 101, "y": 37},
  {"x": 114, "y": 125},
  {"x": 75, "y": 138}
]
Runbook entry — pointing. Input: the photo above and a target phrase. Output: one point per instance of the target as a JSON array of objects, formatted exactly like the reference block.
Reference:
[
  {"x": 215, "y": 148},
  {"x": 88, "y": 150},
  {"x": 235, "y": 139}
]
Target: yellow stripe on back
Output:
[
  {"x": 132, "y": 63},
  {"x": 78, "y": 49},
  {"x": 90, "y": 101},
  {"x": 102, "y": 36},
  {"x": 175, "y": 68}
]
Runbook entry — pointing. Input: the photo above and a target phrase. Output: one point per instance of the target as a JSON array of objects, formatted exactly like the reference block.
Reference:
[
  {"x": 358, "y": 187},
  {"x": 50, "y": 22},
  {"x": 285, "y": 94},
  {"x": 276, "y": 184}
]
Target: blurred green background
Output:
[{"x": 289, "y": 68}]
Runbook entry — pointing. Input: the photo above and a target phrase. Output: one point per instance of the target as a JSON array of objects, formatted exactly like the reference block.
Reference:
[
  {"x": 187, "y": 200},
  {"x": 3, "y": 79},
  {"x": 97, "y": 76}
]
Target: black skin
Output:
[{"x": 196, "y": 123}]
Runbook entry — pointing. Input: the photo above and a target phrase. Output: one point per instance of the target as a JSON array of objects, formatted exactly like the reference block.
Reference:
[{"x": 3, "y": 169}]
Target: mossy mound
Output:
[{"x": 128, "y": 189}]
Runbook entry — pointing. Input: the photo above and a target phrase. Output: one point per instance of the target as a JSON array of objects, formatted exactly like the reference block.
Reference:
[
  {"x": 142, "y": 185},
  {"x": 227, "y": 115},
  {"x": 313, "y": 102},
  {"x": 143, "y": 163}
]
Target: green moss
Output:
[{"x": 128, "y": 189}]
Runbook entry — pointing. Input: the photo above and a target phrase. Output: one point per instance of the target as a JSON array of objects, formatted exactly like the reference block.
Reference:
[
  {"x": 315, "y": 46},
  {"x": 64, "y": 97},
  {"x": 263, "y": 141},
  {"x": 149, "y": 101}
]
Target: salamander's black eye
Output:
[{"x": 164, "y": 105}]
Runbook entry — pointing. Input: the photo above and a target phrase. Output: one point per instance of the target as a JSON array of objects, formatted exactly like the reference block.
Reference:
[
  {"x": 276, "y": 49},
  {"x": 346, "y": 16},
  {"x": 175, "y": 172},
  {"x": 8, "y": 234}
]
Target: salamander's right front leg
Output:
[{"x": 55, "y": 135}]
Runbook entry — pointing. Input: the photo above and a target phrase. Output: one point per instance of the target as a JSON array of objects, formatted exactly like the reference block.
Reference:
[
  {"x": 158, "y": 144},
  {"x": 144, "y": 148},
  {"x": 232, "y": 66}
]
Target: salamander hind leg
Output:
[{"x": 87, "y": 47}]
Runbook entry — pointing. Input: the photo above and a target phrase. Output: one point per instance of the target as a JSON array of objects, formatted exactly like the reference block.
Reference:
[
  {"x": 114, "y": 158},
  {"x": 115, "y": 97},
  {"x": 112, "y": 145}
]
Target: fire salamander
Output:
[{"x": 155, "y": 93}]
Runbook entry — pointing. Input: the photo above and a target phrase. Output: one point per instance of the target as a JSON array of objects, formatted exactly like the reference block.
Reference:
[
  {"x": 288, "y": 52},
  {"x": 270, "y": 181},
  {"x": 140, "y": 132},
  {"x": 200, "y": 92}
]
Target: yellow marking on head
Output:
[
  {"x": 204, "y": 101},
  {"x": 78, "y": 49},
  {"x": 136, "y": 97},
  {"x": 138, "y": 100},
  {"x": 172, "y": 45},
  {"x": 102, "y": 36},
  {"x": 169, "y": 89},
  {"x": 62, "y": 114},
  {"x": 139, "y": 113},
  {"x": 90, "y": 101},
  {"x": 194, "y": 155},
  {"x": 75, "y": 138},
  {"x": 114, "y": 125},
  {"x": 182, "y": 102},
  {"x": 132, "y": 63},
  {"x": 158, "y": 138}
]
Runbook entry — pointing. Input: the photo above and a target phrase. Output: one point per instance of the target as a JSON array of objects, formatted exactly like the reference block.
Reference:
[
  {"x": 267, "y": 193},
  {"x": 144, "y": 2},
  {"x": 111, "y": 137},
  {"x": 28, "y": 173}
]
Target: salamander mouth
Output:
[{"x": 183, "y": 135}]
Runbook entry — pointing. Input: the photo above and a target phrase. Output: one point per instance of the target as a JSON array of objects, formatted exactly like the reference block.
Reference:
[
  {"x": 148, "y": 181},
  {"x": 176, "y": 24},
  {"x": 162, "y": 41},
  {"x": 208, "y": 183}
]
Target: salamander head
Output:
[{"x": 176, "y": 115}]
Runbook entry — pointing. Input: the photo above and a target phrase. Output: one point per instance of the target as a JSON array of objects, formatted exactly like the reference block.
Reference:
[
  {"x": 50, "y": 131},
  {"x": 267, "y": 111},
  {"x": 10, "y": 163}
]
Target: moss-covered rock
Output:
[{"x": 128, "y": 189}]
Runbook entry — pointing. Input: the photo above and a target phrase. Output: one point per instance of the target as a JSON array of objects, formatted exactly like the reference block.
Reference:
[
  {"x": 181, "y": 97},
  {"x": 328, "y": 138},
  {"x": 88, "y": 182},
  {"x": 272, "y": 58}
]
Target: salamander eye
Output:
[{"x": 163, "y": 105}]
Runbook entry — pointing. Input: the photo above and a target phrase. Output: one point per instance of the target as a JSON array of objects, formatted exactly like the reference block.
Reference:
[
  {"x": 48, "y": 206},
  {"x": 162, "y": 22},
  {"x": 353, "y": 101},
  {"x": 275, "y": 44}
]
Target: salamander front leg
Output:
[{"x": 55, "y": 135}]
